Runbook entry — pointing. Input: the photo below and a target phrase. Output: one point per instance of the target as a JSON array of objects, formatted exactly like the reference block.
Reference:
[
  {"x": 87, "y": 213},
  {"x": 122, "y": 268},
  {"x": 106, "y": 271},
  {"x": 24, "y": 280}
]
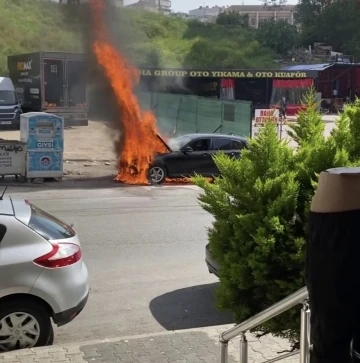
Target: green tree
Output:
[
  {"x": 338, "y": 26},
  {"x": 233, "y": 18},
  {"x": 278, "y": 35},
  {"x": 260, "y": 207},
  {"x": 274, "y": 3},
  {"x": 334, "y": 24},
  {"x": 225, "y": 46},
  {"x": 227, "y": 54},
  {"x": 252, "y": 236},
  {"x": 306, "y": 11}
]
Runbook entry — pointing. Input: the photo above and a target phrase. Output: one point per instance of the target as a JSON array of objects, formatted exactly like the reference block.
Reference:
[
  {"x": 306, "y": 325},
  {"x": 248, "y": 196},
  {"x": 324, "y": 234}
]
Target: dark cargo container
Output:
[{"x": 52, "y": 82}]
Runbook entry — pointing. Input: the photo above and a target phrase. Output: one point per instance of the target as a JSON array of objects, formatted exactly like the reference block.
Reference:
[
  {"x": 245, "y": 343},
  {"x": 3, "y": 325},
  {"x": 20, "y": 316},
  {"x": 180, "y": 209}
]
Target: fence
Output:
[{"x": 180, "y": 114}]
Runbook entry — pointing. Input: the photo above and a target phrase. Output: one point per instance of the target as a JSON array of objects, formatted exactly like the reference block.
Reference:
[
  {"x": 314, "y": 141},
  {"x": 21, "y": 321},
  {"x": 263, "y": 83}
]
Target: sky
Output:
[{"x": 186, "y": 5}]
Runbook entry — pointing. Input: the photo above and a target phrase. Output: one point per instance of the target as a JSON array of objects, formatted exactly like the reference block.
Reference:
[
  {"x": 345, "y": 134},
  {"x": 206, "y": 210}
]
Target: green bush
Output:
[{"x": 260, "y": 207}]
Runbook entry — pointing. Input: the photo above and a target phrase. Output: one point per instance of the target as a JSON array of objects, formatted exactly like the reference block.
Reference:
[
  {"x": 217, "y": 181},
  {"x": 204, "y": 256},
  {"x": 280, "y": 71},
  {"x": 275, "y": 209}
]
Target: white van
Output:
[{"x": 10, "y": 108}]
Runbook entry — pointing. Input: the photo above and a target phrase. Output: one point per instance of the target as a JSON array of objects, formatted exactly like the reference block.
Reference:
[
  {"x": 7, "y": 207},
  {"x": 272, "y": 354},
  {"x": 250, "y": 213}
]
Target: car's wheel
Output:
[
  {"x": 157, "y": 174},
  {"x": 24, "y": 324},
  {"x": 51, "y": 338}
]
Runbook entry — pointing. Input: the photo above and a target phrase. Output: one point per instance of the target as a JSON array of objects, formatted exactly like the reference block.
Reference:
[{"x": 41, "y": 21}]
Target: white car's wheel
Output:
[
  {"x": 157, "y": 174},
  {"x": 24, "y": 324}
]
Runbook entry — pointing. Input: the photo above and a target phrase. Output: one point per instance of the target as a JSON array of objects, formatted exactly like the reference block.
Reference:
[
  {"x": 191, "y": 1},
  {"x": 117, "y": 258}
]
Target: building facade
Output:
[
  {"x": 162, "y": 6},
  {"x": 259, "y": 13},
  {"x": 119, "y": 3},
  {"x": 204, "y": 12}
]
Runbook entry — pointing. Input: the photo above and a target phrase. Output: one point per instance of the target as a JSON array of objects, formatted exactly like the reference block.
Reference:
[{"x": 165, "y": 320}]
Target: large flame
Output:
[{"x": 140, "y": 138}]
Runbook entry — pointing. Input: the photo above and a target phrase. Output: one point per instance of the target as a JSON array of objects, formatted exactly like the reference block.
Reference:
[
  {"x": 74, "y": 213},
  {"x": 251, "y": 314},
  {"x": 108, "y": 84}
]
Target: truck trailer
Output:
[{"x": 53, "y": 82}]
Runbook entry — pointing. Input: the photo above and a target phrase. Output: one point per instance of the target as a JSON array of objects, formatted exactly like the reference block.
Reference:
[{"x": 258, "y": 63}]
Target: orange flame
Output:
[{"x": 140, "y": 141}]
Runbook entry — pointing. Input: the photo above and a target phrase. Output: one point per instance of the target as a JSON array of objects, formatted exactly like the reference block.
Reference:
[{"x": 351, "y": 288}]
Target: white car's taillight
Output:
[{"x": 62, "y": 255}]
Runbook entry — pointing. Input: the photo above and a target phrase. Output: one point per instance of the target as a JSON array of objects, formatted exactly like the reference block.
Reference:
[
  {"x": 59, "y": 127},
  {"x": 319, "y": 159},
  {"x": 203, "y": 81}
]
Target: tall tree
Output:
[
  {"x": 233, "y": 18},
  {"x": 274, "y": 3},
  {"x": 278, "y": 35},
  {"x": 307, "y": 11},
  {"x": 335, "y": 24},
  {"x": 338, "y": 26}
]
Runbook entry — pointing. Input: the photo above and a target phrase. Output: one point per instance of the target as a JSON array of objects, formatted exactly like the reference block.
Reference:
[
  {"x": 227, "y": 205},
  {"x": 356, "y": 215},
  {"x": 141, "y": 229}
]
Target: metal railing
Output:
[{"x": 299, "y": 297}]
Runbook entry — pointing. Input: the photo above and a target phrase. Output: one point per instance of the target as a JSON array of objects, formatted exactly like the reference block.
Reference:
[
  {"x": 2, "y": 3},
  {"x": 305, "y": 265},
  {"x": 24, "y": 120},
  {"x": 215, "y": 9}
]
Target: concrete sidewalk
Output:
[{"x": 185, "y": 346}]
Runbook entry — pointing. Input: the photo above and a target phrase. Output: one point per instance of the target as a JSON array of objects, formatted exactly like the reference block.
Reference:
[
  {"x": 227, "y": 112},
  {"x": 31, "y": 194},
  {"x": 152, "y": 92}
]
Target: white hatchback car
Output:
[{"x": 42, "y": 275}]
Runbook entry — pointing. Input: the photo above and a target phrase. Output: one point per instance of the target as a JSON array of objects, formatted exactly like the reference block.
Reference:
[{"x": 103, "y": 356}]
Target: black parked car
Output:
[
  {"x": 212, "y": 265},
  {"x": 192, "y": 154}
]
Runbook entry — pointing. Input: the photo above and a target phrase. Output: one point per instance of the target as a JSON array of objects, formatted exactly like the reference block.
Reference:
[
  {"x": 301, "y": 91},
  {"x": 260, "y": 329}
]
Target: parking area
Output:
[{"x": 89, "y": 150}]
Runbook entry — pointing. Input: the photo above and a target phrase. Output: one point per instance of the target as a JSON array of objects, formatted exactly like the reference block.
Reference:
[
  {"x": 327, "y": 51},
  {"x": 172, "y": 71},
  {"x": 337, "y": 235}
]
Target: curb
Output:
[
  {"x": 214, "y": 331},
  {"x": 217, "y": 328},
  {"x": 90, "y": 161}
]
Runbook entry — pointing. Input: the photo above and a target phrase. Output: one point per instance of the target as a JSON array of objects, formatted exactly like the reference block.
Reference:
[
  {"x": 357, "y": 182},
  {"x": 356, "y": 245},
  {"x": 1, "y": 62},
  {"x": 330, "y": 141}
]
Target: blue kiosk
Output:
[{"x": 44, "y": 135}]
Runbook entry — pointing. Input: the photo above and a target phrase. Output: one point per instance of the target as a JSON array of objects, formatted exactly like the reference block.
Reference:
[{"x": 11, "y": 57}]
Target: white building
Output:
[
  {"x": 206, "y": 12},
  {"x": 162, "y": 6},
  {"x": 119, "y": 3},
  {"x": 259, "y": 13}
]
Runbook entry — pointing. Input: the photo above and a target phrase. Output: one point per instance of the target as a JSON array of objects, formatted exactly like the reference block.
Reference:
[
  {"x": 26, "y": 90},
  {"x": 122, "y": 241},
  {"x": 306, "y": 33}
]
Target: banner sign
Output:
[
  {"x": 241, "y": 73},
  {"x": 262, "y": 115}
]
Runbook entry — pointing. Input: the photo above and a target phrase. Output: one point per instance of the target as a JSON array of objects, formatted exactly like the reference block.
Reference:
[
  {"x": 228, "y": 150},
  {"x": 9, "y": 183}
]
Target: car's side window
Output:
[
  {"x": 2, "y": 232},
  {"x": 237, "y": 145},
  {"x": 221, "y": 144},
  {"x": 200, "y": 144}
]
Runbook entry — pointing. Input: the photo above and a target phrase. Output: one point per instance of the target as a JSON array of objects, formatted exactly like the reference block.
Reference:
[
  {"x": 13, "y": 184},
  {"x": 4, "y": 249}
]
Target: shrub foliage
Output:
[{"x": 260, "y": 206}]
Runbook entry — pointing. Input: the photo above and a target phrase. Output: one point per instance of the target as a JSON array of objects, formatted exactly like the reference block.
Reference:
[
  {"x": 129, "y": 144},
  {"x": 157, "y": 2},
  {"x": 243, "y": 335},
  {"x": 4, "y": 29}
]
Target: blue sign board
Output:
[
  {"x": 45, "y": 132},
  {"x": 44, "y": 145}
]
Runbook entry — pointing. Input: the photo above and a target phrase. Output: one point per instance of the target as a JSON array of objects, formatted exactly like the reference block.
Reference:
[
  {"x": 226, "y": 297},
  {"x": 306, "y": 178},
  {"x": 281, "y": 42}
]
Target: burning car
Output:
[
  {"x": 193, "y": 154},
  {"x": 143, "y": 156}
]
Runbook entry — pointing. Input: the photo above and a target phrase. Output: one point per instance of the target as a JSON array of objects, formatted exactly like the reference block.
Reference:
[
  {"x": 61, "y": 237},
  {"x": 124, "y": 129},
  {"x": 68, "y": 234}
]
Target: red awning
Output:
[
  {"x": 227, "y": 83},
  {"x": 292, "y": 83}
]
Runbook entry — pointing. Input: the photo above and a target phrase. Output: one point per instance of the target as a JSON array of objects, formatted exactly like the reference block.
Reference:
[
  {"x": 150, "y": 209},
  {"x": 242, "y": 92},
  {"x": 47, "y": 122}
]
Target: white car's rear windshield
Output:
[{"x": 47, "y": 225}]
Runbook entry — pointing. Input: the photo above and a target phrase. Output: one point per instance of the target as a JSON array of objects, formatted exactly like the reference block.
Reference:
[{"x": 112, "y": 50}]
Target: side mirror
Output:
[{"x": 188, "y": 149}]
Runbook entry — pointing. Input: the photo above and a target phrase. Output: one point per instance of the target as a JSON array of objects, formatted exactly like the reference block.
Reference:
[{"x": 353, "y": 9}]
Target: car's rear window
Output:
[{"x": 47, "y": 225}]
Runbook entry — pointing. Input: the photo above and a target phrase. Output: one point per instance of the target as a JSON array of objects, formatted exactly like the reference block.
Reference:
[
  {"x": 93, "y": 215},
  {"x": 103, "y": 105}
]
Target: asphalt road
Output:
[{"x": 144, "y": 248}]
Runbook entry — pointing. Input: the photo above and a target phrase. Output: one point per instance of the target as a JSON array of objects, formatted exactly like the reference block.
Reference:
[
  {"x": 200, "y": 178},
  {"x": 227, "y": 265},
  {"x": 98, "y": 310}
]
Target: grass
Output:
[
  {"x": 34, "y": 25},
  {"x": 147, "y": 38}
]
